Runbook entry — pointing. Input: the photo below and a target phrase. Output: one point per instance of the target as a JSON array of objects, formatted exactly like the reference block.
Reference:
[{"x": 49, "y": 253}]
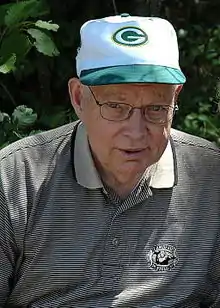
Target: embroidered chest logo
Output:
[
  {"x": 163, "y": 258},
  {"x": 130, "y": 36}
]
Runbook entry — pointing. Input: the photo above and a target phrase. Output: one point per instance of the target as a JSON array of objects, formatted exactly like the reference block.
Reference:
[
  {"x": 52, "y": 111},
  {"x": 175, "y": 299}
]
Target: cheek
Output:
[
  {"x": 107, "y": 133},
  {"x": 158, "y": 137},
  {"x": 91, "y": 119},
  {"x": 102, "y": 134}
]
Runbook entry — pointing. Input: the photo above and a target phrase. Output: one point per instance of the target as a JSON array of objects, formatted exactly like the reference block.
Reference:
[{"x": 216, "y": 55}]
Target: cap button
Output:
[{"x": 125, "y": 15}]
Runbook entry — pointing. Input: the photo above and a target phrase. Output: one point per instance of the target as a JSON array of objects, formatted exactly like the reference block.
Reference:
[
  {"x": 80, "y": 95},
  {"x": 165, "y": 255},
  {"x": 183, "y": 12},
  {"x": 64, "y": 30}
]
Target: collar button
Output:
[{"x": 125, "y": 15}]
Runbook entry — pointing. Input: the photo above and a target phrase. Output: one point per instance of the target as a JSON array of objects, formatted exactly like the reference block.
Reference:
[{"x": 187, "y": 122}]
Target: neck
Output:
[
  {"x": 121, "y": 189},
  {"x": 121, "y": 184}
]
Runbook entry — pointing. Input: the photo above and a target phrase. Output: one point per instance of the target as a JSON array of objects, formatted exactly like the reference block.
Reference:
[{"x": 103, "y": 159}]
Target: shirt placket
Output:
[
  {"x": 115, "y": 254},
  {"x": 112, "y": 262}
]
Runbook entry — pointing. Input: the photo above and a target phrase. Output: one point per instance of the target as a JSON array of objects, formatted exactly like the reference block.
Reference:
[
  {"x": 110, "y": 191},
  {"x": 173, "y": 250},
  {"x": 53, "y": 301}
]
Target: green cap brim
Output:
[{"x": 132, "y": 74}]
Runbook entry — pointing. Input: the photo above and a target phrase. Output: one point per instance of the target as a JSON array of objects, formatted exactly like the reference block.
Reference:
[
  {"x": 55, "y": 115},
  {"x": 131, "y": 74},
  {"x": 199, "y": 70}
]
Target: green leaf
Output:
[
  {"x": 9, "y": 65},
  {"x": 16, "y": 43},
  {"x": 4, "y": 117},
  {"x": 46, "y": 25},
  {"x": 3, "y": 10},
  {"x": 203, "y": 118},
  {"x": 40, "y": 8},
  {"x": 53, "y": 119},
  {"x": 23, "y": 10},
  {"x": 43, "y": 42},
  {"x": 34, "y": 132},
  {"x": 24, "y": 116}
]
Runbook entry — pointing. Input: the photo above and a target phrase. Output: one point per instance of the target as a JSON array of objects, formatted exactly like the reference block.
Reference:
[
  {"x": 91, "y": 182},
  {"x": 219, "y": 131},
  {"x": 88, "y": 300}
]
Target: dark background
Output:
[{"x": 41, "y": 81}]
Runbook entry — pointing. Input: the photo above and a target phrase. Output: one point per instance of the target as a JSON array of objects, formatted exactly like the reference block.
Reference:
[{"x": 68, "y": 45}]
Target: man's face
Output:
[{"x": 125, "y": 148}]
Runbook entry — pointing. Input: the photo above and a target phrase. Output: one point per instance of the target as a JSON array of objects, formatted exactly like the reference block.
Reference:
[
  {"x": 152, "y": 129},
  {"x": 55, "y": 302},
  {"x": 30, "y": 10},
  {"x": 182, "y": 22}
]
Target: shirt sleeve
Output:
[{"x": 7, "y": 251}]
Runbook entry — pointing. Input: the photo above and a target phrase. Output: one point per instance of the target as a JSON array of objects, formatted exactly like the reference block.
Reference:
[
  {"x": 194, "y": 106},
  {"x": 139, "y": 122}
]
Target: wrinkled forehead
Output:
[{"x": 126, "y": 90}]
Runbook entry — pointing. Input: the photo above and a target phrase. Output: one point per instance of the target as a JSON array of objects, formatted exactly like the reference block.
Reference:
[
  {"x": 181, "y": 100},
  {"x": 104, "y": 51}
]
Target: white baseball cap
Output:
[{"x": 128, "y": 49}]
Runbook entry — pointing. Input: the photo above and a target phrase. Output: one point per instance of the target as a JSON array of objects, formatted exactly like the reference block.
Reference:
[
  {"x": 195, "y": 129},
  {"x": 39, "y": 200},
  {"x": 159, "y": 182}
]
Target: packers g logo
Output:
[{"x": 130, "y": 36}]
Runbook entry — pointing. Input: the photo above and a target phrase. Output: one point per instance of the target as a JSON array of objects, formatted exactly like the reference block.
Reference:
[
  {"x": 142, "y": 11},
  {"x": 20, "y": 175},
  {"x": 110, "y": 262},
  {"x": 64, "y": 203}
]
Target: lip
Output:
[
  {"x": 133, "y": 150},
  {"x": 132, "y": 153}
]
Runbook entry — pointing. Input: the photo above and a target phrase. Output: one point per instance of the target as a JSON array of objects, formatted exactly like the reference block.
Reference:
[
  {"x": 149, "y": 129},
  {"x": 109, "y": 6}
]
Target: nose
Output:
[{"x": 136, "y": 125}]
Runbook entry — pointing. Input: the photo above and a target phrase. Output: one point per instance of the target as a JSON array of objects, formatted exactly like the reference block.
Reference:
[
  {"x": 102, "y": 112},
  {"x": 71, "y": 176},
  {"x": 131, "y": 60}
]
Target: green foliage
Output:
[
  {"x": 48, "y": 25},
  {"x": 9, "y": 64},
  {"x": 200, "y": 55},
  {"x": 17, "y": 126},
  {"x": 3, "y": 10},
  {"x": 21, "y": 11},
  {"x": 40, "y": 82},
  {"x": 43, "y": 42},
  {"x": 202, "y": 123},
  {"x": 16, "y": 43},
  {"x": 19, "y": 34},
  {"x": 24, "y": 122},
  {"x": 24, "y": 117}
]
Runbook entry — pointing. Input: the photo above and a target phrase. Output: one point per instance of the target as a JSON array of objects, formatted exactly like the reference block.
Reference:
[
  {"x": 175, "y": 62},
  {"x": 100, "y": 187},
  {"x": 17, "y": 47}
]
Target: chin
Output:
[{"x": 131, "y": 169}]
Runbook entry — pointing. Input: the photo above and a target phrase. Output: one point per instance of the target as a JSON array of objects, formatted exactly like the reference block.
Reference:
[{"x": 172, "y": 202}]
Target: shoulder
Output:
[
  {"x": 28, "y": 163},
  {"x": 193, "y": 142},
  {"x": 195, "y": 152},
  {"x": 40, "y": 144}
]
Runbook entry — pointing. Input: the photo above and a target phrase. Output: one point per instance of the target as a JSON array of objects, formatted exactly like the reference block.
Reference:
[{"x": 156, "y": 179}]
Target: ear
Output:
[
  {"x": 75, "y": 92},
  {"x": 177, "y": 92}
]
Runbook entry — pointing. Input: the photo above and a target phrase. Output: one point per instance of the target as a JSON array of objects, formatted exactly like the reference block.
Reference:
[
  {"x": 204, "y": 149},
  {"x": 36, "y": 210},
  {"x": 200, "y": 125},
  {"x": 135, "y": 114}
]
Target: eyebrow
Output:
[
  {"x": 161, "y": 98},
  {"x": 121, "y": 99}
]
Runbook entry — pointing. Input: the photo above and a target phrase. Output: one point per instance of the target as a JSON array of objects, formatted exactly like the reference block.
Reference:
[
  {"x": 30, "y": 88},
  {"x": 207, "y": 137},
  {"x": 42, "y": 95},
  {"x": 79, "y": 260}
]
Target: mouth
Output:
[{"x": 135, "y": 153}]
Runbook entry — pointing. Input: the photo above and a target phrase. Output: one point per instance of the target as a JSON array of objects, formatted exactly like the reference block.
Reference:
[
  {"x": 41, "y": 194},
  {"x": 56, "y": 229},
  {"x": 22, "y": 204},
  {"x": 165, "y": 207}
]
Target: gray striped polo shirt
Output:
[{"x": 64, "y": 242}]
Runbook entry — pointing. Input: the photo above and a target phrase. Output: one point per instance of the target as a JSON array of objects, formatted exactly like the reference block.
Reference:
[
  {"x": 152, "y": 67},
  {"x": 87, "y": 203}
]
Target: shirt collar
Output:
[{"x": 162, "y": 174}]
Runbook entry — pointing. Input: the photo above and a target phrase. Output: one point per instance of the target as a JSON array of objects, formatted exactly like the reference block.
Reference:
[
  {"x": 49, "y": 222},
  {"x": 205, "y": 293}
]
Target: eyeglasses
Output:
[{"x": 157, "y": 114}]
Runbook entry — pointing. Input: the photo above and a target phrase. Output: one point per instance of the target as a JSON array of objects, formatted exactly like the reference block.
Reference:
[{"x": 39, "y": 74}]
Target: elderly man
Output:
[{"x": 117, "y": 209}]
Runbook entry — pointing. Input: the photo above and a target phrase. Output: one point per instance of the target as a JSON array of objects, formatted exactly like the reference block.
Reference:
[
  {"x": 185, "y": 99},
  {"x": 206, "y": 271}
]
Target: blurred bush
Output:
[{"x": 33, "y": 83}]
